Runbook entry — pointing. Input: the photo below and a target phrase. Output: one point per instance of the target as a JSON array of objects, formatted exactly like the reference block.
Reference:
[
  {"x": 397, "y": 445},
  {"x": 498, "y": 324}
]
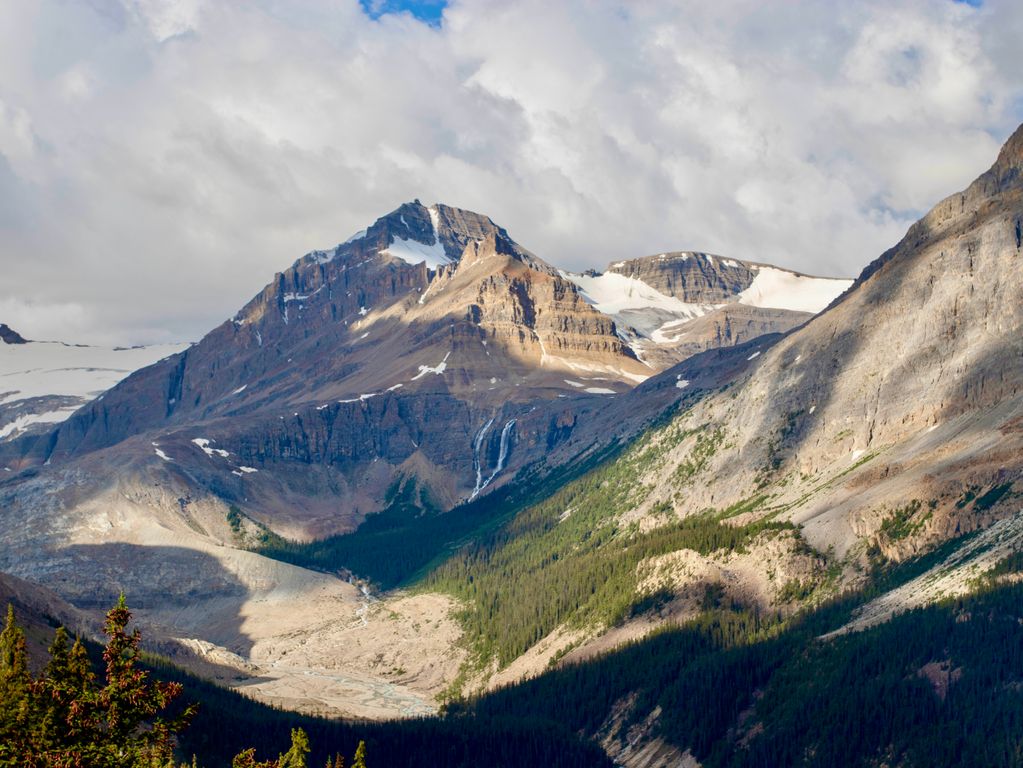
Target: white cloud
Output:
[{"x": 161, "y": 159}]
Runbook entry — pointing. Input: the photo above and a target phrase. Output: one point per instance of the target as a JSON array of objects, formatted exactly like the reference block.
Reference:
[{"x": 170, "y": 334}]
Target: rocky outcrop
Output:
[
  {"x": 9, "y": 336},
  {"x": 698, "y": 278}
]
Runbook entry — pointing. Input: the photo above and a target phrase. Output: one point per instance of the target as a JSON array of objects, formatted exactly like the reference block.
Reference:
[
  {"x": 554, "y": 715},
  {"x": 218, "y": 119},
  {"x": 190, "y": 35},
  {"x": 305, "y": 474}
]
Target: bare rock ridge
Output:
[{"x": 700, "y": 278}]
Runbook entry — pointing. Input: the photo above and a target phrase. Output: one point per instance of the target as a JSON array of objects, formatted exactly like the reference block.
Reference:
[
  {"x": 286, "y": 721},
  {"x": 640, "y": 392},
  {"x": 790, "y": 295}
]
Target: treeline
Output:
[
  {"x": 941, "y": 685},
  {"x": 399, "y": 544},
  {"x": 567, "y": 559},
  {"x": 227, "y": 722}
]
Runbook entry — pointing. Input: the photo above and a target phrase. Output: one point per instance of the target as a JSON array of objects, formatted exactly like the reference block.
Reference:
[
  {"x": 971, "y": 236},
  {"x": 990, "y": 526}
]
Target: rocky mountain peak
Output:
[
  {"x": 1011, "y": 155},
  {"x": 437, "y": 234},
  {"x": 9, "y": 336}
]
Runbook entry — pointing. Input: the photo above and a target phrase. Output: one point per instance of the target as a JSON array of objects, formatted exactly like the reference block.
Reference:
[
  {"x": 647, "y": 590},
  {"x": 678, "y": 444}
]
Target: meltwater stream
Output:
[{"x": 502, "y": 456}]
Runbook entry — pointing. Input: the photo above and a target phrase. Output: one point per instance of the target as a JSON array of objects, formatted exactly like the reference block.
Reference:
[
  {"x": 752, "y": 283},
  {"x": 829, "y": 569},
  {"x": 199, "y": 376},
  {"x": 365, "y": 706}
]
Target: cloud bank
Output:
[{"x": 161, "y": 159}]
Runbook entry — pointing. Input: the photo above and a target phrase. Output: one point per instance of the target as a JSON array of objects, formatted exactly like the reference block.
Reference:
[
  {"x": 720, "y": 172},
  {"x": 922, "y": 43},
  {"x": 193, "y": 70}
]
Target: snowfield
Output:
[
  {"x": 66, "y": 375},
  {"x": 777, "y": 289},
  {"x": 42, "y": 368},
  {"x": 612, "y": 293}
]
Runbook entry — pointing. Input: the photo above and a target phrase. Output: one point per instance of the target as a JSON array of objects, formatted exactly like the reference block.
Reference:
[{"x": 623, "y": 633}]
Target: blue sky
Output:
[{"x": 429, "y": 11}]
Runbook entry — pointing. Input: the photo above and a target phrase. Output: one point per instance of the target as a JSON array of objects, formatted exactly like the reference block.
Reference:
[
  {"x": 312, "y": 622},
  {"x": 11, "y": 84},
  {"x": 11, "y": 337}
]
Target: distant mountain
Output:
[
  {"x": 42, "y": 383},
  {"x": 672, "y": 306}
]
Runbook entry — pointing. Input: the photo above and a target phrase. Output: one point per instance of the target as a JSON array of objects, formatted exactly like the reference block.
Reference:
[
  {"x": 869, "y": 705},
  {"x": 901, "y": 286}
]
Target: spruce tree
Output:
[
  {"x": 296, "y": 756},
  {"x": 131, "y": 732},
  {"x": 360, "y": 756},
  {"x": 14, "y": 694}
]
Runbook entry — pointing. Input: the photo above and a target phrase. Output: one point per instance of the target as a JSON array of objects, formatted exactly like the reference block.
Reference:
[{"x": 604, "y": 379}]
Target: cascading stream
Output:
[
  {"x": 477, "y": 464},
  {"x": 502, "y": 456}
]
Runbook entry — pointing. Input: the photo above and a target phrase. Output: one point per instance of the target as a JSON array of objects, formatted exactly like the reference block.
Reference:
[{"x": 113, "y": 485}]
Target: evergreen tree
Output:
[
  {"x": 360, "y": 756},
  {"x": 296, "y": 756},
  {"x": 14, "y": 692},
  {"x": 129, "y": 730}
]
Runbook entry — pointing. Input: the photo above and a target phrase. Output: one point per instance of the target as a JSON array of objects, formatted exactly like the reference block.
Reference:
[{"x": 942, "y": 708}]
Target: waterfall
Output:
[
  {"x": 477, "y": 465},
  {"x": 502, "y": 458}
]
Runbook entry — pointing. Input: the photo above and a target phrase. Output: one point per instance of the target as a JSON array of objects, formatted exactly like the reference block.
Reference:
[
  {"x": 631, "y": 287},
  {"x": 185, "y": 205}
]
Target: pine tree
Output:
[
  {"x": 65, "y": 700},
  {"x": 296, "y": 756},
  {"x": 14, "y": 691},
  {"x": 131, "y": 732},
  {"x": 360, "y": 756}
]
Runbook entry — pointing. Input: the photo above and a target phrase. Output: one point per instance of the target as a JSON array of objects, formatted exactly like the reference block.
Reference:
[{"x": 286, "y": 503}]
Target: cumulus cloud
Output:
[{"x": 161, "y": 159}]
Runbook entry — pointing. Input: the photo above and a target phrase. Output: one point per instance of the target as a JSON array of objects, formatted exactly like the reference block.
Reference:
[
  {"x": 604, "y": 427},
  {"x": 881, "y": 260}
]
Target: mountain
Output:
[
  {"x": 43, "y": 382},
  {"x": 674, "y": 305},
  {"x": 429, "y": 345},
  {"x": 885, "y": 429},
  {"x": 419, "y": 366},
  {"x": 772, "y": 496}
]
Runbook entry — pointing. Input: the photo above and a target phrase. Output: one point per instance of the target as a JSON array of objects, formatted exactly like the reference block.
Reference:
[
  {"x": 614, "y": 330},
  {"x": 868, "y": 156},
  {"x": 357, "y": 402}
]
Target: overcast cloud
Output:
[{"x": 161, "y": 159}]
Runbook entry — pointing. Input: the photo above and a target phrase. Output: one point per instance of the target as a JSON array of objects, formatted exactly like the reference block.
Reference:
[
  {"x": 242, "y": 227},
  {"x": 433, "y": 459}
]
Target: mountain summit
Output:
[{"x": 432, "y": 341}]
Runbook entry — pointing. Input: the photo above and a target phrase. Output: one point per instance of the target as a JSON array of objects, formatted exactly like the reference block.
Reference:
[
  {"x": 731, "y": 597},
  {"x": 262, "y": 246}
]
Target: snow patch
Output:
[
  {"x": 681, "y": 383},
  {"x": 438, "y": 369},
  {"x": 613, "y": 293},
  {"x": 163, "y": 455},
  {"x": 778, "y": 289},
  {"x": 204, "y": 444},
  {"x": 754, "y": 356},
  {"x": 360, "y": 398},
  {"x": 240, "y": 389},
  {"x": 600, "y": 391},
  {"x": 571, "y": 383},
  {"x": 413, "y": 252},
  {"x": 20, "y": 424},
  {"x": 660, "y": 336}
]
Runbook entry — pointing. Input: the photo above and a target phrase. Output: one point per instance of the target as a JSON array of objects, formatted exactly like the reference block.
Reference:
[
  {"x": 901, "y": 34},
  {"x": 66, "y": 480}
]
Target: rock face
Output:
[
  {"x": 9, "y": 336},
  {"x": 699, "y": 278}
]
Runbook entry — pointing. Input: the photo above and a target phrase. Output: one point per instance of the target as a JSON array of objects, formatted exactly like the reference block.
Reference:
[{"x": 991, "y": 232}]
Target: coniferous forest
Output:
[{"x": 942, "y": 685}]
